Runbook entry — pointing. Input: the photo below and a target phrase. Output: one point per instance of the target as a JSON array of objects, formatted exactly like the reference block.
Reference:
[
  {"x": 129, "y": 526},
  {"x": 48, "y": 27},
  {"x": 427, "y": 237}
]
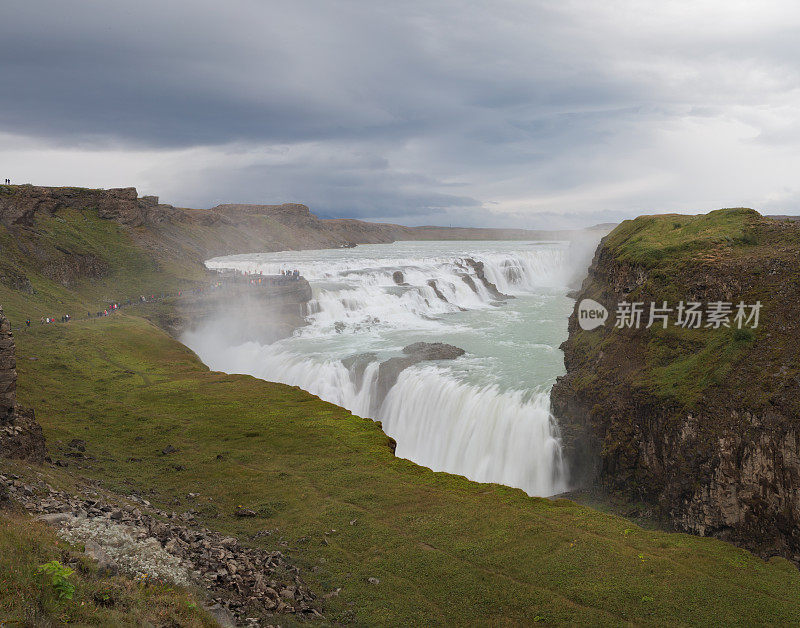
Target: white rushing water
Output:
[{"x": 484, "y": 415}]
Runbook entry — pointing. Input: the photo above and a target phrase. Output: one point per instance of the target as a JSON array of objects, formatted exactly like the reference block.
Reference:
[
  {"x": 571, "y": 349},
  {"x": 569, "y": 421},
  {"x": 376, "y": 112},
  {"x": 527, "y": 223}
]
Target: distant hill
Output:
[
  {"x": 231, "y": 228},
  {"x": 784, "y": 217}
]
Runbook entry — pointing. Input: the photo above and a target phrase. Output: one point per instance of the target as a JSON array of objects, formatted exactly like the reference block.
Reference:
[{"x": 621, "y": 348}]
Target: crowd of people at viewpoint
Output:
[
  {"x": 113, "y": 307},
  {"x": 253, "y": 279},
  {"x": 259, "y": 279}
]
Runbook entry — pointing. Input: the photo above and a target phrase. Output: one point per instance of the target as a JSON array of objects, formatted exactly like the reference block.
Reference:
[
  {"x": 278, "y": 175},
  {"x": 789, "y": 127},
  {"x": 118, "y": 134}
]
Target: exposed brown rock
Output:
[
  {"x": 121, "y": 204},
  {"x": 8, "y": 370},
  {"x": 478, "y": 268},
  {"x": 357, "y": 365},
  {"x": 390, "y": 370},
  {"x": 20, "y": 435},
  {"x": 432, "y": 351},
  {"x": 436, "y": 291}
]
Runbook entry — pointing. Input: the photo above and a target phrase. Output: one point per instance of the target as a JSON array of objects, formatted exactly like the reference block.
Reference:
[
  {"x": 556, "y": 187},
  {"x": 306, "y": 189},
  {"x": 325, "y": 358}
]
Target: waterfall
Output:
[
  {"x": 354, "y": 293},
  {"x": 481, "y": 433},
  {"x": 435, "y": 411}
]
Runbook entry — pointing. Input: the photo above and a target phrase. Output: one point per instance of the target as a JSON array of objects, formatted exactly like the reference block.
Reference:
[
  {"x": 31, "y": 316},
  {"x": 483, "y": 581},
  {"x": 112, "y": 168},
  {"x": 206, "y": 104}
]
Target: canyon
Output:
[
  {"x": 131, "y": 414},
  {"x": 230, "y": 228}
]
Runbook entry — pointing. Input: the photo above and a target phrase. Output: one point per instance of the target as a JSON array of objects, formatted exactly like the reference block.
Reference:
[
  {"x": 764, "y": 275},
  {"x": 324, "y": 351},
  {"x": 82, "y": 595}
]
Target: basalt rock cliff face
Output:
[
  {"x": 122, "y": 204},
  {"x": 20, "y": 434},
  {"x": 703, "y": 424}
]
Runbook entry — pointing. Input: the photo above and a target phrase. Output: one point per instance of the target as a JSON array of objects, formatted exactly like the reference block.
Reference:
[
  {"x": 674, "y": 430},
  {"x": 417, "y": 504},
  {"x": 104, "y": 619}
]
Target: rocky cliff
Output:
[
  {"x": 20, "y": 434},
  {"x": 8, "y": 372},
  {"x": 703, "y": 424},
  {"x": 21, "y": 204}
]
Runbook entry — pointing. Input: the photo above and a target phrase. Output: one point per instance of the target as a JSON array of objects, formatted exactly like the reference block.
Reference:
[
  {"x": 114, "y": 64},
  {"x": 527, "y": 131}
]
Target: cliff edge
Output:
[{"x": 702, "y": 423}]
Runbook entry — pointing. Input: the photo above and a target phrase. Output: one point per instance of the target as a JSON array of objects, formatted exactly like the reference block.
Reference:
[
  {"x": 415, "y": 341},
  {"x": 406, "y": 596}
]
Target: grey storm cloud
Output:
[{"x": 513, "y": 112}]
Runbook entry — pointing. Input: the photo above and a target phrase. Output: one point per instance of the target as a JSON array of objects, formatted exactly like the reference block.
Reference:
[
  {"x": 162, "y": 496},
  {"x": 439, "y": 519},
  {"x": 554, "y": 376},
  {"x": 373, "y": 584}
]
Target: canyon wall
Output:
[
  {"x": 8, "y": 372},
  {"x": 21, "y": 204},
  {"x": 701, "y": 424},
  {"x": 20, "y": 434}
]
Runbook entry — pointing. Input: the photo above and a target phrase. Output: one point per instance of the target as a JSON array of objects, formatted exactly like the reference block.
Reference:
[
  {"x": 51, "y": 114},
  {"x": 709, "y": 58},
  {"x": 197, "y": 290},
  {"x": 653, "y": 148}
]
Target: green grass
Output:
[
  {"x": 42, "y": 252},
  {"x": 653, "y": 240},
  {"x": 686, "y": 362},
  {"x": 28, "y": 598},
  {"x": 446, "y": 550}
]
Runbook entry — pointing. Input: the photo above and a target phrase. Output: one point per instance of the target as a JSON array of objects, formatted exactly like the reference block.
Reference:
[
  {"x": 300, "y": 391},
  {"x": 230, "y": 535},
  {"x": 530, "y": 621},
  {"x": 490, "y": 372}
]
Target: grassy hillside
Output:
[
  {"x": 445, "y": 550},
  {"x": 28, "y": 597},
  {"x": 325, "y": 485},
  {"x": 77, "y": 262},
  {"x": 653, "y": 240}
]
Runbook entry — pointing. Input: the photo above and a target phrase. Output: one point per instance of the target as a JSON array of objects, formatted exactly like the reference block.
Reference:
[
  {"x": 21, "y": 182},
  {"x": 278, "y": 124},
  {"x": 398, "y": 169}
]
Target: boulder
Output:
[
  {"x": 104, "y": 563},
  {"x": 433, "y": 351},
  {"x": 390, "y": 369},
  {"x": 357, "y": 364}
]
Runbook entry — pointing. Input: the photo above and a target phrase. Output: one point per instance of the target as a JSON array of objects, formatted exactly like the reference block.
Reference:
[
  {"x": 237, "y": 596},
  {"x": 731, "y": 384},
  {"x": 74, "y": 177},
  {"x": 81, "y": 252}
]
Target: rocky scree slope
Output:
[
  {"x": 703, "y": 424},
  {"x": 245, "y": 585}
]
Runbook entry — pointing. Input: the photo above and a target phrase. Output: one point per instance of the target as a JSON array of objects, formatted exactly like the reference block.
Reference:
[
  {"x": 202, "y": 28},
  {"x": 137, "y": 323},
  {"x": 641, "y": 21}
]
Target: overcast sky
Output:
[{"x": 502, "y": 113}]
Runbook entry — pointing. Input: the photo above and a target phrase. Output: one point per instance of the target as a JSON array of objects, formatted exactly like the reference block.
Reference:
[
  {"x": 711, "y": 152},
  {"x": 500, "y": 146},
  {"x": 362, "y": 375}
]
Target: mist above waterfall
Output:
[{"x": 484, "y": 415}]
